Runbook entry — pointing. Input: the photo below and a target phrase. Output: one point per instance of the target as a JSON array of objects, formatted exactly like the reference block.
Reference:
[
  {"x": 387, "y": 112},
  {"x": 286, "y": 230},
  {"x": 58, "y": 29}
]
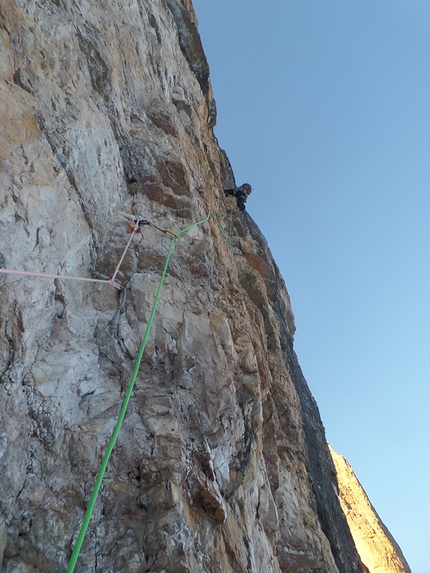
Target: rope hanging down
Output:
[{"x": 111, "y": 445}]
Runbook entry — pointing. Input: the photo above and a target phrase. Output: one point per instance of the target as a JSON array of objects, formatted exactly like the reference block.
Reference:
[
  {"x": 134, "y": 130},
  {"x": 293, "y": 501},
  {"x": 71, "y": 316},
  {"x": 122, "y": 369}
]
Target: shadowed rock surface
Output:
[{"x": 221, "y": 464}]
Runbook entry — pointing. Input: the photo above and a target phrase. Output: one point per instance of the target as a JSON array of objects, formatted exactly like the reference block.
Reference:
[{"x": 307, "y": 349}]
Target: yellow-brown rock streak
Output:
[{"x": 378, "y": 550}]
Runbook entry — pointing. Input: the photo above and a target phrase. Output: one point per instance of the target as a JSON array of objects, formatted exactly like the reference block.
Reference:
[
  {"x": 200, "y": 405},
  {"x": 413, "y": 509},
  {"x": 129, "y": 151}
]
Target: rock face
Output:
[
  {"x": 221, "y": 463},
  {"x": 378, "y": 550}
]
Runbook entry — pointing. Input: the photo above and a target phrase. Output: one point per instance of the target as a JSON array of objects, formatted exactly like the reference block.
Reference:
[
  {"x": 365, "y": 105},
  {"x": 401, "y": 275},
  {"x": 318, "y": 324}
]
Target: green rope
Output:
[
  {"x": 111, "y": 445},
  {"x": 195, "y": 224},
  {"x": 100, "y": 475},
  {"x": 231, "y": 221},
  {"x": 226, "y": 237}
]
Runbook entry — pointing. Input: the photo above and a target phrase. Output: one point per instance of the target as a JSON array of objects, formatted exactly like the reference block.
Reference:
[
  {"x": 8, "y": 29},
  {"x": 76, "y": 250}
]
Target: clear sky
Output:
[{"x": 323, "y": 106}]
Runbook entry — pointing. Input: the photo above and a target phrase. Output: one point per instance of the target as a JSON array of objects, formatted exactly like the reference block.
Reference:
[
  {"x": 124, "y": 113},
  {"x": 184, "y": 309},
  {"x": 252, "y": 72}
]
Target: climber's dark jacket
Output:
[{"x": 241, "y": 193}]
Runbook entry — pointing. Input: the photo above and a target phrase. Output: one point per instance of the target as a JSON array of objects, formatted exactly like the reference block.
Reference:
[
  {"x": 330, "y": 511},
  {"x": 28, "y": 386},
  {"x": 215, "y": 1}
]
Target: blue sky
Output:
[{"x": 323, "y": 106}]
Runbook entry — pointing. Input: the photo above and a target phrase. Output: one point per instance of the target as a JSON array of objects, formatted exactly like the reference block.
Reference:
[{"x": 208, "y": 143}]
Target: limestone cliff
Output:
[
  {"x": 378, "y": 550},
  {"x": 221, "y": 463}
]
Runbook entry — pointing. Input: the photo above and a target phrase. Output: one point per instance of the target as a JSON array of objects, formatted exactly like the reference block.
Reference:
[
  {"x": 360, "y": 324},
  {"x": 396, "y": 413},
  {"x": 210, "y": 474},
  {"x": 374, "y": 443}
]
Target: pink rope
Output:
[
  {"x": 135, "y": 228},
  {"x": 110, "y": 282},
  {"x": 65, "y": 277}
]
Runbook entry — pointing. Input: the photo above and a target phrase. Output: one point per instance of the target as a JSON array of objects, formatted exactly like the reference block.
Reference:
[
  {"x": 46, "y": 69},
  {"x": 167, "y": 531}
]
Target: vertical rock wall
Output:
[{"x": 221, "y": 464}]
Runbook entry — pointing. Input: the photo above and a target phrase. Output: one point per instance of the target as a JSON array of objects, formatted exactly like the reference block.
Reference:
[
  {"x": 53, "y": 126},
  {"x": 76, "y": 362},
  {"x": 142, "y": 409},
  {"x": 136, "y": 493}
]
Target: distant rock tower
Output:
[{"x": 376, "y": 546}]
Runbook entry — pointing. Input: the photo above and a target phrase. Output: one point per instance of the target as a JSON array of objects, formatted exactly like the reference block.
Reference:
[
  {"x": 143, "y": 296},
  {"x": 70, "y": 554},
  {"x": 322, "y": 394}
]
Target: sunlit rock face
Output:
[
  {"x": 376, "y": 546},
  {"x": 221, "y": 464}
]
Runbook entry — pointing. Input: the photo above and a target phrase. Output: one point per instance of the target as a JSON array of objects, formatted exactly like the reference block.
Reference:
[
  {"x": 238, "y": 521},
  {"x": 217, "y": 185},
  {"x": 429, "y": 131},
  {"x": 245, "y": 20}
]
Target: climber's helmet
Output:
[{"x": 246, "y": 189}]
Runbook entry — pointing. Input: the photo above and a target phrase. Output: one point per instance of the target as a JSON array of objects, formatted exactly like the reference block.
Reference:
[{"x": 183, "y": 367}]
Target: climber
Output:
[{"x": 241, "y": 193}]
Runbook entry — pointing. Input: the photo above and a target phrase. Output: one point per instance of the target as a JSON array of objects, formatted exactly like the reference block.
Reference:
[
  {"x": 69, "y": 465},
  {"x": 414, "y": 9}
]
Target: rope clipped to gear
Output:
[
  {"x": 134, "y": 228},
  {"x": 111, "y": 445}
]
